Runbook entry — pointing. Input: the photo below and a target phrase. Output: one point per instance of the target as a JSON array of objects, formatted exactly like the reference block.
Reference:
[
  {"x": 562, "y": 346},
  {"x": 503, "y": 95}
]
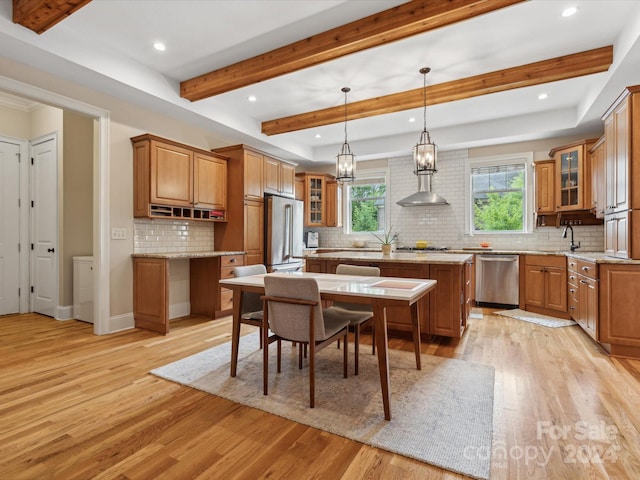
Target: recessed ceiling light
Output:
[
  {"x": 542, "y": 96},
  {"x": 318, "y": 135},
  {"x": 412, "y": 119},
  {"x": 252, "y": 98},
  {"x": 569, "y": 11},
  {"x": 159, "y": 46}
]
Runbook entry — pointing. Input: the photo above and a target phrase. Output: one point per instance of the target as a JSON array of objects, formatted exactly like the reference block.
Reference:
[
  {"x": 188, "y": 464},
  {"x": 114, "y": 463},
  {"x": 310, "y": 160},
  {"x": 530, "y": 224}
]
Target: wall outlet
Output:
[{"x": 118, "y": 234}]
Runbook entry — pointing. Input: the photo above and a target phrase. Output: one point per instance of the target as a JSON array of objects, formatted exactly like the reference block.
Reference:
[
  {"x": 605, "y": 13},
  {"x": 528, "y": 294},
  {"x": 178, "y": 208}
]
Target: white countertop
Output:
[{"x": 390, "y": 288}]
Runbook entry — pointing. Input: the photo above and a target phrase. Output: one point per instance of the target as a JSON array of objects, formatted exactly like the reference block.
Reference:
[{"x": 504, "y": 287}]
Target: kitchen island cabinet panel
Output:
[
  {"x": 398, "y": 319},
  {"x": 443, "y": 312},
  {"x": 447, "y": 301}
]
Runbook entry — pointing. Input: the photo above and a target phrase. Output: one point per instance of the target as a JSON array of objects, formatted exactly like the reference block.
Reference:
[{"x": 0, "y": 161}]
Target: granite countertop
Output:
[
  {"x": 404, "y": 257},
  {"x": 173, "y": 255},
  {"x": 600, "y": 257}
]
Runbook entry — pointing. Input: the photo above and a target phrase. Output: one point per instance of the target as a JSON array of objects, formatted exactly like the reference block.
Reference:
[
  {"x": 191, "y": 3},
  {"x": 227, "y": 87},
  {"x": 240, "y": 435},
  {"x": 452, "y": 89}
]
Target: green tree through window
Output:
[
  {"x": 498, "y": 198},
  {"x": 367, "y": 207}
]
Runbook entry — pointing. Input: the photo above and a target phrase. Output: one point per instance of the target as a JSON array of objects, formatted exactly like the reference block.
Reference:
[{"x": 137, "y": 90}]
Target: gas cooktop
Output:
[{"x": 416, "y": 249}]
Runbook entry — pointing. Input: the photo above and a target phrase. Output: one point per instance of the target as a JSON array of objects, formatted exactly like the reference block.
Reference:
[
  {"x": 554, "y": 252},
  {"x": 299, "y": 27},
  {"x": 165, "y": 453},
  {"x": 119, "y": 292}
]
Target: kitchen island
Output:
[{"x": 444, "y": 311}]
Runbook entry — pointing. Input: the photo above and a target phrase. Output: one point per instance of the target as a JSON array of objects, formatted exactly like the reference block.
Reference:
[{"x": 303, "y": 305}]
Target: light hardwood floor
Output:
[{"x": 78, "y": 406}]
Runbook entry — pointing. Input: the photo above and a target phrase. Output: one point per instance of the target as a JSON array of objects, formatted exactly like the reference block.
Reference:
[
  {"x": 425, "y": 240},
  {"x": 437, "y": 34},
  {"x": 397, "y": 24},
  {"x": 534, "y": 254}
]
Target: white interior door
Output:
[
  {"x": 44, "y": 226},
  {"x": 9, "y": 228}
]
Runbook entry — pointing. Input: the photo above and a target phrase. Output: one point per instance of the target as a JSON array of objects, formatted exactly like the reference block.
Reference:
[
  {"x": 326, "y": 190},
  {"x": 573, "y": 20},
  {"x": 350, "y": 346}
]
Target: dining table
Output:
[{"x": 379, "y": 292}]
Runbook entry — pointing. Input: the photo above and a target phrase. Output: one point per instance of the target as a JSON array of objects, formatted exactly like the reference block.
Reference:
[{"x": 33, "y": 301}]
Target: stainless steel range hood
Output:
[{"x": 424, "y": 196}]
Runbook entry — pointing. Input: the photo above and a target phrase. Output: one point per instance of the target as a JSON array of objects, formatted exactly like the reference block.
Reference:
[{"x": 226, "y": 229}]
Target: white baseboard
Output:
[
  {"x": 179, "y": 310},
  {"x": 122, "y": 322},
  {"x": 64, "y": 312},
  {"x": 126, "y": 321}
]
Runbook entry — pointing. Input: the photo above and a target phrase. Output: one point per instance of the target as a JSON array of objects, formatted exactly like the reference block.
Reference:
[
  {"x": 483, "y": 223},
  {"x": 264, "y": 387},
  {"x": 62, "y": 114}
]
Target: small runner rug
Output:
[
  {"x": 441, "y": 415},
  {"x": 543, "y": 320}
]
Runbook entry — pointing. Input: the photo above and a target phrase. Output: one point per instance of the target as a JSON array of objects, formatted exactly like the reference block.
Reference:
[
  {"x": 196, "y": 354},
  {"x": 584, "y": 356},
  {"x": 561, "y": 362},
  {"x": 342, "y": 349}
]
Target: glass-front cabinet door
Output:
[
  {"x": 570, "y": 179},
  {"x": 573, "y": 176}
]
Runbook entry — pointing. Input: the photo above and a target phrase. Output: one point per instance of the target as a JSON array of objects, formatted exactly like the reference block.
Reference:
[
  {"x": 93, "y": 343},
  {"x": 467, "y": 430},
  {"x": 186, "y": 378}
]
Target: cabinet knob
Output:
[
  {"x": 572, "y": 307},
  {"x": 232, "y": 260},
  {"x": 585, "y": 269},
  {"x": 583, "y": 282}
]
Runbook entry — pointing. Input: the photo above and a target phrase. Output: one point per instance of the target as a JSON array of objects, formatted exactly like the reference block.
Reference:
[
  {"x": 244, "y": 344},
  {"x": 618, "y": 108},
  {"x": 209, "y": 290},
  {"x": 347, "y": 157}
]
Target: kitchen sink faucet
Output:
[{"x": 573, "y": 247}]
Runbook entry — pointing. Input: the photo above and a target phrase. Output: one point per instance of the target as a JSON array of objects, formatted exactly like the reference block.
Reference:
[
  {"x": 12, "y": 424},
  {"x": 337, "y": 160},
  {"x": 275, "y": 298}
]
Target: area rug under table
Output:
[
  {"x": 536, "y": 318},
  {"x": 441, "y": 415}
]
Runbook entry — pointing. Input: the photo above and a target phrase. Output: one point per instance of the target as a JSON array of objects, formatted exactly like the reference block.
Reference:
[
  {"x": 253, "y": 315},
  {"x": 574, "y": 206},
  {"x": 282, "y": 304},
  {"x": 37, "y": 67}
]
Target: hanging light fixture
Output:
[
  {"x": 425, "y": 155},
  {"x": 346, "y": 161},
  {"x": 425, "y": 152}
]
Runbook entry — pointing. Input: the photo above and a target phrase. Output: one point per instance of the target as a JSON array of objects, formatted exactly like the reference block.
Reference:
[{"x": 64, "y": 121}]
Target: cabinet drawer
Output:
[
  {"x": 588, "y": 269},
  {"x": 231, "y": 260},
  {"x": 573, "y": 292},
  {"x": 572, "y": 264},
  {"x": 572, "y": 278},
  {"x": 226, "y": 299},
  {"x": 573, "y": 308},
  {"x": 546, "y": 260},
  {"x": 226, "y": 273}
]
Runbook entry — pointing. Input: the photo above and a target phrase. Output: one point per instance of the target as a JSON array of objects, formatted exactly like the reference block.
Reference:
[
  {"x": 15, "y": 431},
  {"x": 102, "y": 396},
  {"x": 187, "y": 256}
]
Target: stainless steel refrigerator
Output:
[{"x": 283, "y": 236}]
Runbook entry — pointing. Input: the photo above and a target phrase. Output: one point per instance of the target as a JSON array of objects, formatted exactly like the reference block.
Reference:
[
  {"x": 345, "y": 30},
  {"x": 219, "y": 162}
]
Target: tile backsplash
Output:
[
  {"x": 160, "y": 236},
  {"x": 444, "y": 224}
]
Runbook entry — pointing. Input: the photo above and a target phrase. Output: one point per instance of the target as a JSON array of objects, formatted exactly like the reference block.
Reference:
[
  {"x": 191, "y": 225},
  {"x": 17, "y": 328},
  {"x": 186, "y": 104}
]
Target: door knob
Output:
[{"x": 51, "y": 250}]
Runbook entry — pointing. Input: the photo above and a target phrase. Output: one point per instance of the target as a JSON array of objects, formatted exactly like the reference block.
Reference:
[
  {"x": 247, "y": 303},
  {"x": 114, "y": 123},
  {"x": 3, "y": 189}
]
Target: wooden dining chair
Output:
[
  {"x": 251, "y": 313},
  {"x": 293, "y": 311},
  {"x": 357, "y": 313}
]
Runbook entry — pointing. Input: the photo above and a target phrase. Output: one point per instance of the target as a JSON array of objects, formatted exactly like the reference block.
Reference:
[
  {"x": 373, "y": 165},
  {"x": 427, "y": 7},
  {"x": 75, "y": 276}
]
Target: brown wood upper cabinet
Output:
[
  {"x": 245, "y": 228},
  {"x": 322, "y": 196},
  {"x": 622, "y": 175},
  {"x": 573, "y": 176},
  {"x": 598, "y": 190},
  {"x": 545, "y": 171},
  {"x": 334, "y": 204},
  {"x": 172, "y": 180},
  {"x": 279, "y": 177}
]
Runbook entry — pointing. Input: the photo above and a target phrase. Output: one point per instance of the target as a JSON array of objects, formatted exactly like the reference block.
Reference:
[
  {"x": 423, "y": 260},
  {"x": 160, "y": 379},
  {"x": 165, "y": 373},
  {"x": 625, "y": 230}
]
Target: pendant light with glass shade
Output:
[
  {"x": 346, "y": 161},
  {"x": 425, "y": 156},
  {"x": 425, "y": 152}
]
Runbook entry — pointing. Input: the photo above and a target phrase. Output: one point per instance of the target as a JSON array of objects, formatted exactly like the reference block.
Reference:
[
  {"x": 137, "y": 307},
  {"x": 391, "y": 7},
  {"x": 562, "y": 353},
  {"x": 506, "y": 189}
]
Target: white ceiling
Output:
[{"x": 108, "y": 45}]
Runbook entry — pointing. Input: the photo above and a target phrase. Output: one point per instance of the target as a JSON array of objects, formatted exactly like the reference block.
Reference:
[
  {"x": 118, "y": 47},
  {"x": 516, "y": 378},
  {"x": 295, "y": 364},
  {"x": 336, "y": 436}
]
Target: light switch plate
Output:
[{"x": 118, "y": 234}]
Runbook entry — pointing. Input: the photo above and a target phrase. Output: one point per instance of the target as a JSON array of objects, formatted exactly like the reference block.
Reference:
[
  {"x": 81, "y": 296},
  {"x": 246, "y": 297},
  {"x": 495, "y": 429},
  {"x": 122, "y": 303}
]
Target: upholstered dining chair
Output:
[
  {"x": 357, "y": 313},
  {"x": 293, "y": 311},
  {"x": 251, "y": 303}
]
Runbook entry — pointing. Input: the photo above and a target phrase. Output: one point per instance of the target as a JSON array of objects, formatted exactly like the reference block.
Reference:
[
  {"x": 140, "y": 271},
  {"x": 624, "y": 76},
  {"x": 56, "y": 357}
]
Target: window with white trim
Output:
[
  {"x": 499, "y": 194},
  {"x": 365, "y": 203}
]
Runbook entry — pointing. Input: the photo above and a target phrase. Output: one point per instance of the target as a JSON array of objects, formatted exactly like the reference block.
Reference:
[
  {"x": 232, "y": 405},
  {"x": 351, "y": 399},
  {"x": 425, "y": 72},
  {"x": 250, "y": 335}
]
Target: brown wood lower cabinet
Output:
[
  {"x": 619, "y": 320},
  {"x": 583, "y": 295},
  {"x": 543, "y": 284},
  {"x": 443, "y": 312},
  {"x": 206, "y": 295},
  {"x": 150, "y": 294},
  {"x": 207, "y": 298}
]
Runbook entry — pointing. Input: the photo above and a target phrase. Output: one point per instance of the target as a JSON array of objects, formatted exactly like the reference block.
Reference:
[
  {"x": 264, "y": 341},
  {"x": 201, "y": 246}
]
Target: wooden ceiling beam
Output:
[
  {"x": 400, "y": 22},
  {"x": 545, "y": 71},
  {"x": 41, "y": 15}
]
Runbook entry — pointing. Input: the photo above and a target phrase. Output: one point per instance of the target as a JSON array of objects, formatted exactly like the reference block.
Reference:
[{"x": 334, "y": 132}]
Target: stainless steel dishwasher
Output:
[{"x": 497, "y": 279}]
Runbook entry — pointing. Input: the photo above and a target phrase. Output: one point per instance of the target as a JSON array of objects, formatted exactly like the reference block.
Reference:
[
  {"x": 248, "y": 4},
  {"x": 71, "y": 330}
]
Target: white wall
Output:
[{"x": 444, "y": 225}]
